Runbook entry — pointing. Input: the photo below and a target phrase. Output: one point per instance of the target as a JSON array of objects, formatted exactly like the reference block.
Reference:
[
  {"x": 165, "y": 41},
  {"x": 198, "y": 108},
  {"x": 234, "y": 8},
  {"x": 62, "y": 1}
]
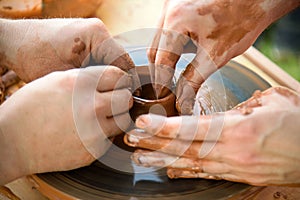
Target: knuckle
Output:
[
  {"x": 95, "y": 22},
  {"x": 95, "y": 26}
]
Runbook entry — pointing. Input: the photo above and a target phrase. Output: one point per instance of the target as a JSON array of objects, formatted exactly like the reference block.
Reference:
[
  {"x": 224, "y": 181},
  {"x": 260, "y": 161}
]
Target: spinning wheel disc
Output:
[{"x": 101, "y": 181}]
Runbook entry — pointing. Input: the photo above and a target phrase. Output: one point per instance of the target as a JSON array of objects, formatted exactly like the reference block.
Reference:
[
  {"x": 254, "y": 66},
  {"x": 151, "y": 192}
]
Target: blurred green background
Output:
[{"x": 281, "y": 43}]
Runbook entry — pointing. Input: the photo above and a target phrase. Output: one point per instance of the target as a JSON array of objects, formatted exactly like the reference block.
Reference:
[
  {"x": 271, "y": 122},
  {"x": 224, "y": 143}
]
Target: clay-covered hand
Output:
[
  {"x": 34, "y": 48},
  {"x": 63, "y": 120},
  {"x": 219, "y": 29},
  {"x": 256, "y": 143}
]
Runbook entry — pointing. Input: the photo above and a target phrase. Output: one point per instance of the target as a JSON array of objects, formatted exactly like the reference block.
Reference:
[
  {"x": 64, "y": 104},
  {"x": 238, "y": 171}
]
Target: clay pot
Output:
[{"x": 147, "y": 101}]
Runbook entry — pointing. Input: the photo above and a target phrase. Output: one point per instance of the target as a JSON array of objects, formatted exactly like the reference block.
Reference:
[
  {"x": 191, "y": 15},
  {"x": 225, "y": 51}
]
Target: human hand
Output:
[
  {"x": 256, "y": 143},
  {"x": 219, "y": 29},
  {"x": 34, "y": 48},
  {"x": 63, "y": 120}
]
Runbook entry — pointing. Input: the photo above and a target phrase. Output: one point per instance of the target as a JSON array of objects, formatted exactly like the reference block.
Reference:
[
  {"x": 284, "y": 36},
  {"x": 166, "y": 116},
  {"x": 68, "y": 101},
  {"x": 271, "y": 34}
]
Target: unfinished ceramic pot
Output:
[{"x": 147, "y": 102}]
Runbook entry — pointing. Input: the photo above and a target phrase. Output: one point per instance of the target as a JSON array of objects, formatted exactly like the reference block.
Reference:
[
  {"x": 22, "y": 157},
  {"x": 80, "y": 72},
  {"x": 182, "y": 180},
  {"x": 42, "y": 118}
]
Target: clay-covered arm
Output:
[{"x": 220, "y": 30}]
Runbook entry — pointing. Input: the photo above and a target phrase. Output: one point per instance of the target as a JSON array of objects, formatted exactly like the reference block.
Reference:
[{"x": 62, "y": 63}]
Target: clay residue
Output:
[
  {"x": 231, "y": 29},
  {"x": 247, "y": 106},
  {"x": 245, "y": 110},
  {"x": 79, "y": 46},
  {"x": 193, "y": 35},
  {"x": 290, "y": 94}
]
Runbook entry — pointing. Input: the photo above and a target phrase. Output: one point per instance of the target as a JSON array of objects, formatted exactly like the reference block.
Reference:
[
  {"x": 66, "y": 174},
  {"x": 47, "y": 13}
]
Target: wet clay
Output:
[
  {"x": 147, "y": 102},
  {"x": 212, "y": 97},
  {"x": 79, "y": 46}
]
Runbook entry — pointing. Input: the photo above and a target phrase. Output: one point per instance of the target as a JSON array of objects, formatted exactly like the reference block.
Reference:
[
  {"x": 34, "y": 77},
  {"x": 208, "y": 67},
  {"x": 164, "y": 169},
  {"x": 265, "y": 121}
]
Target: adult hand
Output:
[
  {"x": 219, "y": 29},
  {"x": 63, "y": 120},
  {"x": 34, "y": 48},
  {"x": 256, "y": 143}
]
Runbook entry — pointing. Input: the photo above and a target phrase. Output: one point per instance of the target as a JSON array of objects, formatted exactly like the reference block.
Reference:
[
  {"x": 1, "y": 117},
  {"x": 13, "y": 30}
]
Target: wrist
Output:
[
  {"x": 12, "y": 163},
  {"x": 277, "y": 9}
]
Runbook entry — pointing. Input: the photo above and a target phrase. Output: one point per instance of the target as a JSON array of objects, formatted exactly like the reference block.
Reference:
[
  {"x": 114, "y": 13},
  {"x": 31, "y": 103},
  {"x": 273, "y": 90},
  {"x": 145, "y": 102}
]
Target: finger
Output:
[
  {"x": 201, "y": 67},
  {"x": 10, "y": 78},
  {"x": 180, "y": 169},
  {"x": 174, "y": 147},
  {"x": 196, "y": 128},
  {"x": 102, "y": 78},
  {"x": 113, "y": 78},
  {"x": 158, "y": 159},
  {"x": 108, "y": 51},
  {"x": 3, "y": 70},
  {"x": 151, "y": 52},
  {"x": 113, "y": 102},
  {"x": 168, "y": 53},
  {"x": 182, "y": 173},
  {"x": 114, "y": 54},
  {"x": 115, "y": 125}
]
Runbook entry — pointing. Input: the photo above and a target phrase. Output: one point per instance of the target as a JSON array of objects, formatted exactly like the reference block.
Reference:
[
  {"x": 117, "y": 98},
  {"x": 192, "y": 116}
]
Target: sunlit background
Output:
[{"x": 281, "y": 43}]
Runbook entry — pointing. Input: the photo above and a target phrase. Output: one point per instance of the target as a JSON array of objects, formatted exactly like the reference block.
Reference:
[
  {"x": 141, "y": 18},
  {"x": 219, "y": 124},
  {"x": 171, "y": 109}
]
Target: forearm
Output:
[{"x": 277, "y": 9}]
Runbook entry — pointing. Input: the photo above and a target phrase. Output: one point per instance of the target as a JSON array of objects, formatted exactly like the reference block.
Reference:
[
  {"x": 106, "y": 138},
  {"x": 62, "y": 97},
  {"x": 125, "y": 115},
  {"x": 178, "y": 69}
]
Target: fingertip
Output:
[
  {"x": 143, "y": 121},
  {"x": 130, "y": 99},
  {"x": 185, "y": 97}
]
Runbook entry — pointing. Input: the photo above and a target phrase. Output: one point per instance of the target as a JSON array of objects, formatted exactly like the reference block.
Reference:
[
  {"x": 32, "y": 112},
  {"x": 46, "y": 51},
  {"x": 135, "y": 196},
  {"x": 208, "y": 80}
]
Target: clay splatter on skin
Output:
[
  {"x": 247, "y": 106},
  {"x": 7, "y": 7},
  {"x": 79, "y": 46},
  {"x": 252, "y": 13}
]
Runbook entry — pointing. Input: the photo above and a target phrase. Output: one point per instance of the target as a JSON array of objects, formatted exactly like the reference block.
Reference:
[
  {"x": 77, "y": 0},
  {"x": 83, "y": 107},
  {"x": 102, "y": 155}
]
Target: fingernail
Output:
[
  {"x": 141, "y": 160},
  {"x": 132, "y": 140},
  {"x": 143, "y": 121}
]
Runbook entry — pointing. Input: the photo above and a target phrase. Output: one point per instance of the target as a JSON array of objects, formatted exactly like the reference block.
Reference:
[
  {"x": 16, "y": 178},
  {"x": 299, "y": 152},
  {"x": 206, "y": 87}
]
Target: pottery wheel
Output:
[{"x": 99, "y": 181}]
